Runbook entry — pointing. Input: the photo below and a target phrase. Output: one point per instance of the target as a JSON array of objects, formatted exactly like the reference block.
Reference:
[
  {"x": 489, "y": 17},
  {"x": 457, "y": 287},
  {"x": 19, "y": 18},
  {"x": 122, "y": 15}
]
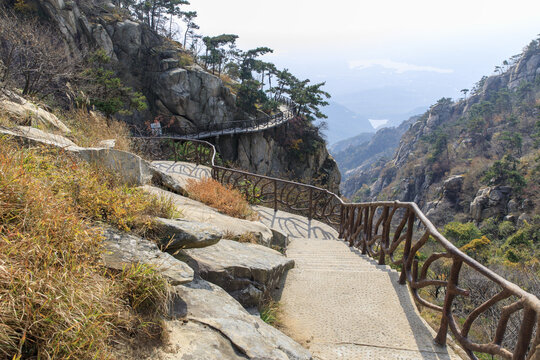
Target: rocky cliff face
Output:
[
  {"x": 263, "y": 154},
  {"x": 451, "y": 161},
  {"x": 188, "y": 95},
  {"x": 185, "y": 94}
]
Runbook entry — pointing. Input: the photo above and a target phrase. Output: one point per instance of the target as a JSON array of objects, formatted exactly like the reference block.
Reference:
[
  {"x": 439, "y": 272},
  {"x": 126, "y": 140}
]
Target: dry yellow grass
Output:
[
  {"x": 225, "y": 199},
  {"x": 57, "y": 301},
  {"x": 89, "y": 128}
]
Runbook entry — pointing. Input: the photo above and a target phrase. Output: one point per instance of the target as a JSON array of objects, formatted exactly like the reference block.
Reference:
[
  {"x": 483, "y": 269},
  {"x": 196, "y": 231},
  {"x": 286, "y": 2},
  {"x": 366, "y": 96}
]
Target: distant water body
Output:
[{"x": 378, "y": 123}]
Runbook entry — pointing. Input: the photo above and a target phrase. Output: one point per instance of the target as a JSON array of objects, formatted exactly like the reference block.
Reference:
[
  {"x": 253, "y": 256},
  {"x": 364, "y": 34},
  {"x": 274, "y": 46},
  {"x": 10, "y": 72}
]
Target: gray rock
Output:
[
  {"x": 248, "y": 272},
  {"x": 123, "y": 249},
  {"x": 107, "y": 144},
  {"x": 527, "y": 205},
  {"x": 511, "y": 218},
  {"x": 524, "y": 217},
  {"x": 191, "y": 340},
  {"x": 490, "y": 202},
  {"x": 131, "y": 168},
  {"x": 453, "y": 184},
  {"x": 199, "y": 212},
  {"x": 163, "y": 180},
  {"x": 279, "y": 239},
  {"x": 26, "y": 134},
  {"x": 181, "y": 234},
  {"x": 28, "y": 113},
  {"x": 512, "y": 206},
  {"x": 208, "y": 304}
]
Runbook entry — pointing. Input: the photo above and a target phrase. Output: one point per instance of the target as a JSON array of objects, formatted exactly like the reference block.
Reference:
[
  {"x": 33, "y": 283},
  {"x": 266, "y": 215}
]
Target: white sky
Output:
[
  {"x": 441, "y": 45},
  {"x": 371, "y": 27}
]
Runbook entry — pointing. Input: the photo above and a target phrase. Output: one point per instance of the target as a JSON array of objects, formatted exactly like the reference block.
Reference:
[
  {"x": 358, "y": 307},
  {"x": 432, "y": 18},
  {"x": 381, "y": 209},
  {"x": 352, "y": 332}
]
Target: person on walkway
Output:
[{"x": 156, "y": 128}]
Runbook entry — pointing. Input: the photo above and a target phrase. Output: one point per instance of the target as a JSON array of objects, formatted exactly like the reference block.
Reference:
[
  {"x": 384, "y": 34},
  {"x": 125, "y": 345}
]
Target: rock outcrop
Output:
[
  {"x": 183, "y": 93},
  {"x": 263, "y": 154},
  {"x": 176, "y": 234},
  {"x": 188, "y": 95},
  {"x": 228, "y": 325},
  {"x": 468, "y": 137},
  {"x": 195, "y": 211},
  {"x": 26, "y": 113},
  {"x": 490, "y": 202},
  {"x": 248, "y": 272},
  {"x": 121, "y": 250}
]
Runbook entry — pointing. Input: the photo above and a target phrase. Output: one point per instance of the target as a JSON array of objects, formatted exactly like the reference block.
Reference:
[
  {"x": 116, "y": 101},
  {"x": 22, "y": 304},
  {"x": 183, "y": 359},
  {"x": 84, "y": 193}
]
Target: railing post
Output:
[
  {"x": 341, "y": 222},
  {"x": 407, "y": 247},
  {"x": 525, "y": 333},
  {"x": 451, "y": 292},
  {"x": 275, "y": 195},
  {"x": 310, "y": 213}
]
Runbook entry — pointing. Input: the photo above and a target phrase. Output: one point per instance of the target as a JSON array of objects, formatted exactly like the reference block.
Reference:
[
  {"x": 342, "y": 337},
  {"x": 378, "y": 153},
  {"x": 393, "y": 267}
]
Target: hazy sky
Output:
[{"x": 431, "y": 48}]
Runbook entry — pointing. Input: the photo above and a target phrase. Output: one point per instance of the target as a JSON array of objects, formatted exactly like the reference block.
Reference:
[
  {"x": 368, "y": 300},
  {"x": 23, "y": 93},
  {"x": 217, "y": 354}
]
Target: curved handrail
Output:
[
  {"x": 386, "y": 230},
  {"x": 238, "y": 126}
]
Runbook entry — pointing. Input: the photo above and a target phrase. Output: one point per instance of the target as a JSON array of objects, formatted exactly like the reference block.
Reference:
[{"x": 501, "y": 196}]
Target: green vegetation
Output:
[
  {"x": 270, "y": 313},
  {"x": 100, "y": 87},
  {"x": 504, "y": 172}
]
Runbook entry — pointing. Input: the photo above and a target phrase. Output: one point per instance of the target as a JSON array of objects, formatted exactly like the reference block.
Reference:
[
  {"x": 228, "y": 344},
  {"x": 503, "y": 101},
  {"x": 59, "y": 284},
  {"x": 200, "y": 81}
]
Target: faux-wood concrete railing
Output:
[{"x": 400, "y": 235}]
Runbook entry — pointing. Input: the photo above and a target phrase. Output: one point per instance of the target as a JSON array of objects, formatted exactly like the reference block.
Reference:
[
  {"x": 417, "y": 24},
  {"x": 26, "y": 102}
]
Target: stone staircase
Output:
[{"x": 342, "y": 305}]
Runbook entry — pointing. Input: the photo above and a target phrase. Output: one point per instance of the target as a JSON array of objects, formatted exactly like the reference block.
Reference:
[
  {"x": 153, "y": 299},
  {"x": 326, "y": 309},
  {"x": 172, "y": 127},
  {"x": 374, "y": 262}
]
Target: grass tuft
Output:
[
  {"x": 270, "y": 313},
  {"x": 225, "y": 199}
]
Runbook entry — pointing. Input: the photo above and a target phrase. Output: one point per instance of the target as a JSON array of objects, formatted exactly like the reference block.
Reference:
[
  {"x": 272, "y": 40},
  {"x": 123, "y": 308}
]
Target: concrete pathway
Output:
[
  {"x": 342, "y": 305},
  {"x": 336, "y": 302}
]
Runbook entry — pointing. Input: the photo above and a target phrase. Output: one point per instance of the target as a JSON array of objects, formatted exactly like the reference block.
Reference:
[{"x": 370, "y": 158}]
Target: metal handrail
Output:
[
  {"x": 238, "y": 126},
  {"x": 379, "y": 229}
]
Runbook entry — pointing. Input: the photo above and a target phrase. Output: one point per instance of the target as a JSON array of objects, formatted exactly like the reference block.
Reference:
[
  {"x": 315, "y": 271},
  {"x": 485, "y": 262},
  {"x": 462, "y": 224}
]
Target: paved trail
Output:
[{"x": 340, "y": 304}]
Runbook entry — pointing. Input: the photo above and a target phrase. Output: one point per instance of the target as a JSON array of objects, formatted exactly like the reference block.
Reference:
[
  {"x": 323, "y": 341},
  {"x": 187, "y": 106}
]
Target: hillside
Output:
[
  {"x": 477, "y": 159},
  {"x": 115, "y": 59},
  {"x": 355, "y": 156}
]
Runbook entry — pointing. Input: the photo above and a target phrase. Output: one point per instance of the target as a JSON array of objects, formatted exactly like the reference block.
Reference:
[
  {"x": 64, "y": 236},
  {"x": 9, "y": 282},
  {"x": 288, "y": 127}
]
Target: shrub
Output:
[
  {"x": 504, "y": 172},
  {"x": 478, "y": 248},
  {"x": 96, "y": 193},
  {"x": 57, "y": 301},
  {"x": 225, "y": 199},
  {"x": 506, "y": 228},
  {"x": 461, "y": 234}
]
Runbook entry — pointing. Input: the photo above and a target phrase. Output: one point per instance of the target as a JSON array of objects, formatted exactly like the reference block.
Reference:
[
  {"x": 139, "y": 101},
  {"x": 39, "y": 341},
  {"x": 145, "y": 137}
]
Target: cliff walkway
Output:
[
  {"x": 286, "y": 113},
  {"x": 363, "y": 270}
]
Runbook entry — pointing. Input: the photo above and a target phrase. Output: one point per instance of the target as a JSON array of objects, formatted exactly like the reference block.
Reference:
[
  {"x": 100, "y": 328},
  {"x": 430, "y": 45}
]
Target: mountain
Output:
[
  {"x": 343, "y": 122},
  {"x": 389, "y": 102},
  {"x": 354, "y": 156},
  {"x": 474, "y": 159},
  {"x": 352, "y": 141}
]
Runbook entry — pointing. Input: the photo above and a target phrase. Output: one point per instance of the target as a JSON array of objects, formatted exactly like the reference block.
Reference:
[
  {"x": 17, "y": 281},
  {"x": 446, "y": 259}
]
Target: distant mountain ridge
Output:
[
  {"x": 354, "y": 156},
  {"x": 457, "y": 153}
]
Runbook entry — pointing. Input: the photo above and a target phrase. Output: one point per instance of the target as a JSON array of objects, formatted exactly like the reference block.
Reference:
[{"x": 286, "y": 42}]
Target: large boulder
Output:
[
  {"x": 196, "y": 95},
  {"x": 30, "y": 135},
  {"x": 190, "y": 340},
  {"x": 204, "y": 303},
  {"x": 122, "y": 249},
  {"x": 196, "y": 211},
  {"x": 131, "y": 168},
  {"x": 177, "y": 234},
  {"x": 490, "y": 202},
  {"x": 27, "y": 113},
  {"x": 248, "y": 272}
]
